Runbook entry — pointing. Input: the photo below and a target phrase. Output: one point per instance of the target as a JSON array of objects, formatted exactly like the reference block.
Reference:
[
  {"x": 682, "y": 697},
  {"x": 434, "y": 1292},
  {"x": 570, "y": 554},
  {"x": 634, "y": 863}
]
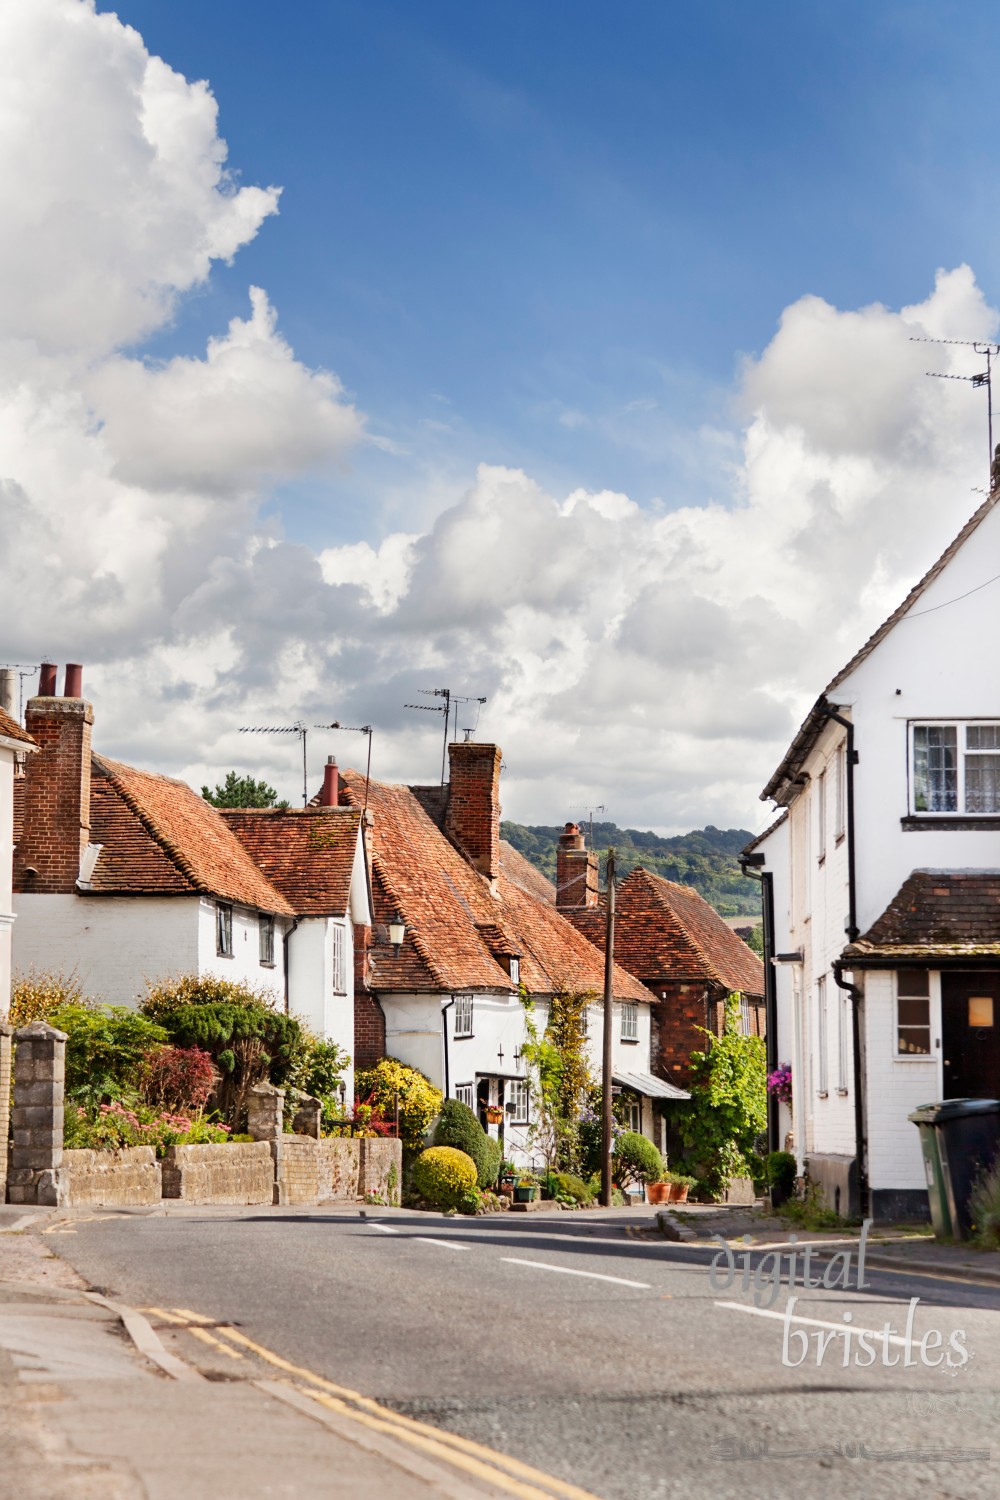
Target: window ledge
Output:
[
  {"x": 220, "y": 954},
  {"x": 918, "y": 823},
  {"x": 839, "y": 840},
  {"x": 463, "y": 1036},
  {"x": 267, "y": 963},
  {"x": 629, "y": 1041},
  {"x": 822, "y": 1093},
  {"x": 842, "y": 1093},
  {"x": 821, "y": 859}
]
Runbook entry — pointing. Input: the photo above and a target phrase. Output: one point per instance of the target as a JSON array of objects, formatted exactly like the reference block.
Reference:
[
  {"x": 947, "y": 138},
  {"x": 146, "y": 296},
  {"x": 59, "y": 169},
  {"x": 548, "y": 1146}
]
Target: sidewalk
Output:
[
  {"x": 98, "y": 1407},
  {"x": 889, "y": 1247}
]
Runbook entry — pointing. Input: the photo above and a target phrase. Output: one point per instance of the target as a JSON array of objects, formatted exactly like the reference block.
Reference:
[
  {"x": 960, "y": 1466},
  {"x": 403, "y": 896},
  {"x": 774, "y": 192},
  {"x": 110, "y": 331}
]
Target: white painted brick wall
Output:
[{"x": 896, "y": 1086}]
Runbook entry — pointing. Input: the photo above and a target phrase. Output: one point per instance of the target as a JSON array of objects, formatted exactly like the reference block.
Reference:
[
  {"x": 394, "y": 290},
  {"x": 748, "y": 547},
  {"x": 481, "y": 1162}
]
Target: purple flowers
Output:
[{"x": 779, "y": 1083}]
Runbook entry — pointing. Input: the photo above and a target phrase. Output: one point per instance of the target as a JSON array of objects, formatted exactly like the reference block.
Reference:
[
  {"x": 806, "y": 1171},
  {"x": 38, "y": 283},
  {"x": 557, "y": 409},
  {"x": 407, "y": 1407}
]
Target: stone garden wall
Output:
[
  {"x": 111, "y": 1179},
  {"x": 236, "y": 1172}
]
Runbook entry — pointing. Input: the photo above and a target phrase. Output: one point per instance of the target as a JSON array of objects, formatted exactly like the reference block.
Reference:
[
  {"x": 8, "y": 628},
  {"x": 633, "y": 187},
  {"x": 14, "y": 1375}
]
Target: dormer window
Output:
[
  {"x": 955, "y": 769},
  {"x": 515, "y": 969}
]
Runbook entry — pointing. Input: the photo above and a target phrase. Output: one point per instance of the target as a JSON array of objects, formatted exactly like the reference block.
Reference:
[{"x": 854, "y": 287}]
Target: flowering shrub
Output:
[
  {"x": 178, "y": 1078},
  {"x": 779, "y": 1083},
  {"x": 419, "y": 1101},
  {"x": 114, "y": 1126},
  {"x": 34, "y": 995}
]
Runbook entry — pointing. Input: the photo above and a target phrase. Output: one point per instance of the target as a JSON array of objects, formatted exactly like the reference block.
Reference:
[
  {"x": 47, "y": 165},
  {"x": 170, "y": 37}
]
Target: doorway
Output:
[{"x": 970, "y": 1034}]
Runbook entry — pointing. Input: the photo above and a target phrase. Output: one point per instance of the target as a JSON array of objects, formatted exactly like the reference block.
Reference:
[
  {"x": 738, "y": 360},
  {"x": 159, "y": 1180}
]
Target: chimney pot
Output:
[
  {"x": 73, "y": 687},
  {"x": 47, "y": 680},
  {"x": 472, "y": 818},
  {"x": 330, "y": 795}
]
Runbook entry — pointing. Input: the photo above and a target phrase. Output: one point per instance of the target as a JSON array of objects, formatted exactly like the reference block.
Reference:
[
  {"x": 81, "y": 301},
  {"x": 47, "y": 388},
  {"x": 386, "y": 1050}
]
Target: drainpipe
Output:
[
  {"x": 286, "y": 944},
  {"x": 444, "y": 1031},
  {"x": 751, "y": 867},
  {"x": 860, "y": 1127}
]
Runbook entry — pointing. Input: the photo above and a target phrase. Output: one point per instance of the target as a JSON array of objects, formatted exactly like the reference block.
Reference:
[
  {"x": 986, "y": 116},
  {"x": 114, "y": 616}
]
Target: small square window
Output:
[
  {"x": 465, "y": 1093},
  {"x": 224, "y": 930},
  {"x": 980, "y": 1010},
  {"x": 463, "y": 1015},
  {"x": 265, "y": 930}
]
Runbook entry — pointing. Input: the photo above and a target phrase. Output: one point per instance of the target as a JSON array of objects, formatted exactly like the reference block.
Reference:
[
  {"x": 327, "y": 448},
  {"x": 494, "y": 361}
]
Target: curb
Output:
[
  {"x": 673, "y": 1229},
  {"x": 970, "y": 1274}
]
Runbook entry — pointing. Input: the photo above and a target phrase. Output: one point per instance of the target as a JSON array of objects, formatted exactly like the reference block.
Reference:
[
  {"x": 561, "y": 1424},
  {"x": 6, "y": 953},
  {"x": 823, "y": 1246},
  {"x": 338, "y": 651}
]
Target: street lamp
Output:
[{"x": 397, "y": 931}]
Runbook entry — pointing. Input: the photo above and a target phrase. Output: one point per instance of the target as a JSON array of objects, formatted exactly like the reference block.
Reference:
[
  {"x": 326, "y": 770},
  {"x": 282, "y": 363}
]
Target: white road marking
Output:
[
  {"x": 772, "y": 1312},
  {"x": 448, "y": 1244},
  {"x": 384, "y": 1228},
  {"x": 541, "y": 1265}
]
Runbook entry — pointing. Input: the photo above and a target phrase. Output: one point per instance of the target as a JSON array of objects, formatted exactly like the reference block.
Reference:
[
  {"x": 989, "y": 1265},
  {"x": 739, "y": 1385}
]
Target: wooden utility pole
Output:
[{"x": 609, "y": 982}]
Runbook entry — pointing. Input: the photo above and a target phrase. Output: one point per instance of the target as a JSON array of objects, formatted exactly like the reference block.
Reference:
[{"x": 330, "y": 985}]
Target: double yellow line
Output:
[{"x": 510, "y": 1475}]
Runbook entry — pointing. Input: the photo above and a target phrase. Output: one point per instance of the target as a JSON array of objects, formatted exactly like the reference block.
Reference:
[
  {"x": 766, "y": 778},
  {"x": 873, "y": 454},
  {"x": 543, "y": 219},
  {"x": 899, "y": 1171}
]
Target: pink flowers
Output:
[{"x": 779, "y": 1083}]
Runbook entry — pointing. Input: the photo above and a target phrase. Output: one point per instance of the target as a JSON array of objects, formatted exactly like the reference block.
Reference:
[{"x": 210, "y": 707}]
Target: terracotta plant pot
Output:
[
  {"x": 658, "y": 1192},
  {"x": 678, "y": 1192}
]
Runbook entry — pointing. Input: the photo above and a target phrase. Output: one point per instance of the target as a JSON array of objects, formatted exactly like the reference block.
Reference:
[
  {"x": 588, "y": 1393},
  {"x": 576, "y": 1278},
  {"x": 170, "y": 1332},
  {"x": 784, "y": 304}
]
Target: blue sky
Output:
[{"x": 545, "y": 234}]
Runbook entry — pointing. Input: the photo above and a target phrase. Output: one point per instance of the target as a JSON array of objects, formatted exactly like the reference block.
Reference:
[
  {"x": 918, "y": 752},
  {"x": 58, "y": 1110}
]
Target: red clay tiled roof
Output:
[
  {"x": 160, "y": 836},
  {"x": 522, "y": 872},
  {"x": 665, "y": 931},
  {"x": 944, "y": 913},
  {"x": 10, "y": 729},
  {"x": 454, "y": 923},
  {"x": 306, "y": 852}
]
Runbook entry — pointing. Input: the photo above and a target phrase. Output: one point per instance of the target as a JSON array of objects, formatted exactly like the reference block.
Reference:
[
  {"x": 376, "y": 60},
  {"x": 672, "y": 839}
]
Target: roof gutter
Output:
[
  {"x": 860, "y": 1123},
  {"x": 286, "y": 939}
]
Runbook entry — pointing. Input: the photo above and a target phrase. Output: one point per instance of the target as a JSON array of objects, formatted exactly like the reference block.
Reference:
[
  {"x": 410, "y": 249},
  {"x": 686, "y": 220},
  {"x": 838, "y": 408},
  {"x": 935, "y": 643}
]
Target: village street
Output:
[{"x": 586, "y": 1346}]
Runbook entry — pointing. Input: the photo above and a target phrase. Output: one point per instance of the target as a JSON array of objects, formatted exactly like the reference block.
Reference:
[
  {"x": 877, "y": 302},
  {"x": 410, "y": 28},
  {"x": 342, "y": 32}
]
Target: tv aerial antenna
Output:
[
  {"x": 444, "y": 707},
  {"x": 590, "y": 809},
  {"x": 297, "y": 728},
  {"x": 356, "y": 729},
  {"x": 984, "y": 379},
  {"x": 23, "y": 670}
]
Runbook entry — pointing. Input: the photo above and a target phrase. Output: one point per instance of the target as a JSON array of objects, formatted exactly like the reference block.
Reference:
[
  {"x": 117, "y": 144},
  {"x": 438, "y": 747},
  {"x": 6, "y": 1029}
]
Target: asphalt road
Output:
[{"x": 607, "y": 1359}]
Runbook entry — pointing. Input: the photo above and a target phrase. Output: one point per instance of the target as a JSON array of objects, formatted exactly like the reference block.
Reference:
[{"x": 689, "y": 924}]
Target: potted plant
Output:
[
  {"x": 659, "y": 1192},
  {"x": 494, "y": 1114},
  {"x": 525, "y": 1190},
  {"x": 680, "y": 1186},
  {"x": 781, "y": 1169}
]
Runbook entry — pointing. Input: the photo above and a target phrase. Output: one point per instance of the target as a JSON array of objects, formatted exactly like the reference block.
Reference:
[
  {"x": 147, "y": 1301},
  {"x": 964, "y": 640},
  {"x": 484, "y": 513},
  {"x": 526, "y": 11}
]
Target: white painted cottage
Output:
[
  {"x": 123, "y": 876},
  {"x": 884, "y": 874},
  {"x": 475, "y": 926}
]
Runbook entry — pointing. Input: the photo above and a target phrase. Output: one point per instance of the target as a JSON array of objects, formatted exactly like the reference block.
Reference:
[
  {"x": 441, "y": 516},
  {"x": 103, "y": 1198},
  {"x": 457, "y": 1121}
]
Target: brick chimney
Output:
[
  {"x": 330, "y": 793},
  {"x": 576, "y": 871},
  {"x": 56, "y": 825},
  {"x": 472, "y": 819}
]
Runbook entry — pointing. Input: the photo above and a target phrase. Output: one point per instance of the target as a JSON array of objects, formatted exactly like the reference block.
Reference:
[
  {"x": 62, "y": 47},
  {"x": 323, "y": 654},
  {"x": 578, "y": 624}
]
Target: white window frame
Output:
[
  {"x": 520, "y": 1097},
  {"x": 629, "y": 1021},
  {"x": 465, "y": 1093},
  {"x": 632, "y": 1108},
  {"x": 515, "y": 969},
  {"x": 223, "y": 929},
  {"x": 464, "y": 1013},
  {"x": 901, "y": 986},
  {"x": 745, "y": 1015},
  {"x": 265, "y": 940},
  {"x": 840, "y": 791},
  {"x": 822, "y": 1067},
  {"x": 821, "y": 816},
  {"x": 338, "y": 957},
  {"x": 963, "y": 757}
]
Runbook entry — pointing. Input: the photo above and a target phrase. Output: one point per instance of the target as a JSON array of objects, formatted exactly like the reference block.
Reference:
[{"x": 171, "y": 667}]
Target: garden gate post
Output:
[
  {"x": 266, "y": 1122},
  {"x": 6, "y": 1063},
  {"x": 37, "y": 1120}
]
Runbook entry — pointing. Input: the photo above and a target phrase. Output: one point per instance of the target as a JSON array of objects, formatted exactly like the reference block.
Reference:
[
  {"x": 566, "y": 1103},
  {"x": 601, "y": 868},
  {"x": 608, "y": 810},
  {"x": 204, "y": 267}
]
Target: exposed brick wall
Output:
[
  {"x": 678, "y": 1029},
  {"x": 56, "y": 825},
  {"x": 369, "y": 1020},
  {"x": 576, "y": 870},
  {"x": 473, "y": 816}
]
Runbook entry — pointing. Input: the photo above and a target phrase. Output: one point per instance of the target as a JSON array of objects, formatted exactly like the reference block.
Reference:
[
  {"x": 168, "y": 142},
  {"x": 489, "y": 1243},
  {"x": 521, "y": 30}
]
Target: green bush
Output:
[
  {"x": 780, "y": 1171},
  {"x": 728, "y": 1106},
  {"x": 564, "y": 1187},
  {"x": 247, "y": 1039},
  {"x": 444, "y": 1176},
  {"x": 457, "y": 1126},
  {"x": 636, "y": 1159},
  {"x": 984, "y": 1208},
  {"x": 106, "y": 1049}
]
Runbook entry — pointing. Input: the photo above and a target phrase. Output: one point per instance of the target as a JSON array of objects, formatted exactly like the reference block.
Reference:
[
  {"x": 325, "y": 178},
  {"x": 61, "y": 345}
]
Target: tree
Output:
[
  {"x": 242, "y": 791},
  {"x": 728, "y": 1105}
]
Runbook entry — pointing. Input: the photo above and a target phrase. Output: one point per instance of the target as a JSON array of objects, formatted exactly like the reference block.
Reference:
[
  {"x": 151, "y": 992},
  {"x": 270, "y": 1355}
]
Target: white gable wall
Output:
[
  {"x": 312, "y": 994},
  {"x": 245, "y": 966}
]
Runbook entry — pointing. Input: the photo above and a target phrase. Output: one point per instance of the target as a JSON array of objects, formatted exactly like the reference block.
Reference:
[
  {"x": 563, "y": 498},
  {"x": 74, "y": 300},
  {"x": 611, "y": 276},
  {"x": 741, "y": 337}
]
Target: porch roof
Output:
[
  {"x": 936, "y": 916},
  {"x": 645, "y": 1083}
]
